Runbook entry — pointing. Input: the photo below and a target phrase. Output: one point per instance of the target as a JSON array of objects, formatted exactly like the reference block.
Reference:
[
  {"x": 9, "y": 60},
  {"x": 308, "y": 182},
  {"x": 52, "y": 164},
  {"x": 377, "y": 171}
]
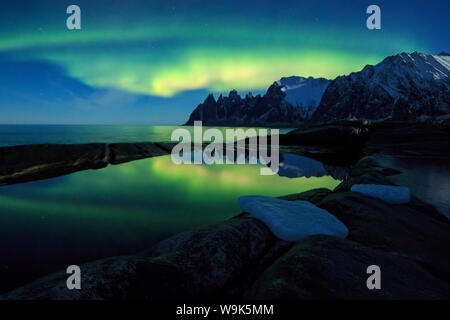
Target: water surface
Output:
[
  {"x": 428, "y": 179},
  {"x": 11, "y": 135},
  {"x": 47, "y": 225}
]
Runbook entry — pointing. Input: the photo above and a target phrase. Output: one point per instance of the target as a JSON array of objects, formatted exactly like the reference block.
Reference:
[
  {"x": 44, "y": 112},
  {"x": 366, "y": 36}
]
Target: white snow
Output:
[
  {"x": 292, "y": 220},
  {"x": 304, "y": 93},
  {"x": 444, "y": 61},
  {"x": 293, "y": 166},
  {"x": 390, "y": 194}
]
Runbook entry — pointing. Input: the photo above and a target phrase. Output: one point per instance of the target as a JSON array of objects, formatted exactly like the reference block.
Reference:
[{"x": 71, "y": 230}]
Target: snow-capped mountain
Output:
[
  {"x": 404, "y": 86},
  {"x": 287, "y": 102},
  {"x": 401, "y": 86},
  {"x": 270, "y": 109},
  {"x": 304, "y": 93}
]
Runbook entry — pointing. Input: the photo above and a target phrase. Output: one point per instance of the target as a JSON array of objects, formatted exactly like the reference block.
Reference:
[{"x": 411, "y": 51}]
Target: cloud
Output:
[{"x": 40, "y": 92}]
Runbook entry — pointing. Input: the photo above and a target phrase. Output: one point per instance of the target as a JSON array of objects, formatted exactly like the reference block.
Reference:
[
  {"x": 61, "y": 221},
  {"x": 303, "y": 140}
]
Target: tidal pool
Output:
[{"x": 50, "y": 224}]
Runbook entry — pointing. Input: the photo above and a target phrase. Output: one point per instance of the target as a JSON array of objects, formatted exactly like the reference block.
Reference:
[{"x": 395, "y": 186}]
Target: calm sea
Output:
[
  {"x": 118, "y": 210},
  {"x": 11, "y": 135}
]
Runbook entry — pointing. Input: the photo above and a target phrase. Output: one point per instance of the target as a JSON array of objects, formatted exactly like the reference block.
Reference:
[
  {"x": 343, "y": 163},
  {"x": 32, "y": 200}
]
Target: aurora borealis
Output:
[{"x": 162, "y": 57}]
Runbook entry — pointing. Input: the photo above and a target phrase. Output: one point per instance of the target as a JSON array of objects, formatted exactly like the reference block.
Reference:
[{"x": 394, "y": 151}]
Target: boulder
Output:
[
  {"x": 411, "y": 229},
  {"x": 192, "y": 265},
  {"x": 212, "y": 259},
  {"x": 323, "y": 267},
  {"x": 111, "y": 278},
  {"x": 368, "y": 170}
]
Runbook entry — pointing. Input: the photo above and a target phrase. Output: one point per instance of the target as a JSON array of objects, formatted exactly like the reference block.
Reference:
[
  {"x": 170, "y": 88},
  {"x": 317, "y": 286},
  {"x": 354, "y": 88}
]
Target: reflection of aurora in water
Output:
[{"x": 123, "y": 209}]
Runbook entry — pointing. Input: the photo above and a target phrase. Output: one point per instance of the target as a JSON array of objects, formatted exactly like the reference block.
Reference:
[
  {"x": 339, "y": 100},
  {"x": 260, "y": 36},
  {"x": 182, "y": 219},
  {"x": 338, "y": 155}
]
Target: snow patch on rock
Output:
[
  {"x": 292, "y": 220},
  {"x": 390, "y": 194},
  {"x": 293, "y": 166}
]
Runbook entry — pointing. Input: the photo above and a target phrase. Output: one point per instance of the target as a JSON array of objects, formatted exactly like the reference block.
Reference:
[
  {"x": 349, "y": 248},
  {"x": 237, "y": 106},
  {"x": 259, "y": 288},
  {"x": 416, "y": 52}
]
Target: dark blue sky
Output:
[{"x": 152, "y": 62}]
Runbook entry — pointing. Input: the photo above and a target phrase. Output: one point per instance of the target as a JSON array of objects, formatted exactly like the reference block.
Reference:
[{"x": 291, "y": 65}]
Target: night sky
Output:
[{"x": 152, "y": 62}]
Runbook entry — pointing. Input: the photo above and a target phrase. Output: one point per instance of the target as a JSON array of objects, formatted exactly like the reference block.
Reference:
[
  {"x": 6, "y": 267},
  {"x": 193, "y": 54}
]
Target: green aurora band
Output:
[{"x": 163, "y": 54}]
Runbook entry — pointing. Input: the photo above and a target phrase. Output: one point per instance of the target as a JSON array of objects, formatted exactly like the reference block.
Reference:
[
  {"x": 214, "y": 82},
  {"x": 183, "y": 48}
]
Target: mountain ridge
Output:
[
  {"x": 403, "y": 86},
  {"x": 288, "y": 101}
]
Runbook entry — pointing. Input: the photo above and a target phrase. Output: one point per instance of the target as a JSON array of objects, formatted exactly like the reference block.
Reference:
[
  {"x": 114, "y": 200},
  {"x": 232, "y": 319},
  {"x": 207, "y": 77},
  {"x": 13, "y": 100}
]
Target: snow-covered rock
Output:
[
  {"x": 390, "y": 194},
  {"x": 293, "y": 166},
  {"x": 292, "y": 220}
]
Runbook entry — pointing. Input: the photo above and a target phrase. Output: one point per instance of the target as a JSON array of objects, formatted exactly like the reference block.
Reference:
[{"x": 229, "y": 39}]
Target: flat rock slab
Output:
[
  {"x": 293, "y": 220},
  {"x": 35, "y": 162},
  {"x": 390, "y": 194},
  {"x": 125, "y": 152},
  {"x": 42, "y": 161}
]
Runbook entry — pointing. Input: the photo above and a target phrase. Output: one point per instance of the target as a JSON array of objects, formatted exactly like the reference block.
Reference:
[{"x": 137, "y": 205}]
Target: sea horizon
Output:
[{"x": 13, "y": 135}]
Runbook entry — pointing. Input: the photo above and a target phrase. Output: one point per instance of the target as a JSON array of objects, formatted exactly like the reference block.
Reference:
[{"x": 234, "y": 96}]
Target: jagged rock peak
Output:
[{"x": 210, "y": 99}]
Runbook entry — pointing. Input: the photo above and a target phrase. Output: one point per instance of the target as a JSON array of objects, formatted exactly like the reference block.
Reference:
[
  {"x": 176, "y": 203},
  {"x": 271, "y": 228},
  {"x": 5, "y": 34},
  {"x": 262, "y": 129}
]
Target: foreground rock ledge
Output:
[{"x": 241, "y": 259}]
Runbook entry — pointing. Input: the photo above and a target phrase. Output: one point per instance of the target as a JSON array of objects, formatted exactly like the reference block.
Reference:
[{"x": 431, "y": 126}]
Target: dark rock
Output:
[
  {"x": 368, "y": 170},
  {"x": 235, "y": 289},
  {"x": 42, "y": 161},
  {"x": 34, "y": 162},
  {"x": 111, "y": 278},
  {"x": 322, "y": 267},
  {"x": 125, "y": 152},
  {"x": 117, "y": 278},
  {"x": 269, "y": 110},
  {"x": 394, "y": 228},
  {"x": 341, "y": 134},
  {"x": 192, "y": 265},
  {"x": 410, "y": 139},
  {"x": 337, "y": 144},
  {"x": 313, "y": 196},
  {"x": 211, "y": 259}
]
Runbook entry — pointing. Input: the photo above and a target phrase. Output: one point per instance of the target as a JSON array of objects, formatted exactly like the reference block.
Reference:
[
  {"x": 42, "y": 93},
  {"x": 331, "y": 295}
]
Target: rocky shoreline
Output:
[
  {"x": 42, "y": 161},
  {"x": 241, "y": 259}
]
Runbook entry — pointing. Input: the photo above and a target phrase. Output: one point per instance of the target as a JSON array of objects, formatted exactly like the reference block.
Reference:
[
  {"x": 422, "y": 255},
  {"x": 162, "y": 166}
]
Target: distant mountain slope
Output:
[
  {"x": 287, "y": 102},
  {"x": 401, "y": 86},
  {"x": 304, "y": 93},
  {"x": 404, "y": 86}
]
